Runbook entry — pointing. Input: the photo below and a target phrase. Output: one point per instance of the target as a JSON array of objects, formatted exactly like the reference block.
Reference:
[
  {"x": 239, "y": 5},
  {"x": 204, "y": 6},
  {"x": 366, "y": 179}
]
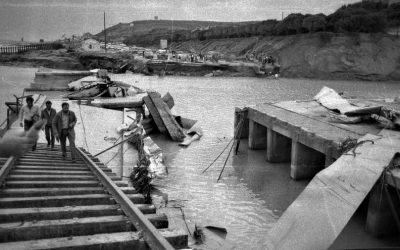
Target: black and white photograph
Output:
[{"x": 199, "y": 124}]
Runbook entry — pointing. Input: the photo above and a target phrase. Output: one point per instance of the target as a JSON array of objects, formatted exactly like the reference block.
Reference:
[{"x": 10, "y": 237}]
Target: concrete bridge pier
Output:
[
  {"x": 257, "y": 135},
  {"x": 245, "y": 129},
  {"x": 279, "y": 147},
  {"x": 305, "y": 161},
  {"x": 380, "y": 220}
]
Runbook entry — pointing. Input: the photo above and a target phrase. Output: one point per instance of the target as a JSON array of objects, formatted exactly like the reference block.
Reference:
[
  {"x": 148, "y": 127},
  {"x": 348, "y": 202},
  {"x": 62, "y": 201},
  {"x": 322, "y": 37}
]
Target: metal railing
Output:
[
  {"x": 16, "y": 49},
  {"x": 5, "y": 169},
  {"x": 152, "y": 237}
]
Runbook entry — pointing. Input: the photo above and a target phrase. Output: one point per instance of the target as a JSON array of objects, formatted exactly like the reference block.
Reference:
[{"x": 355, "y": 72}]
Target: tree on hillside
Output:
[
  {"x": 266, "y": 27},
  {"x": 393, "y": 16},
  {"x": 364, "y": 16},
  {"x": 314, "y": 23},
  {"x": 368, "y": 23},
  {"x": 179, "y": 36},
  {"x": 343, "y": 15},
  {"x": 292, "y": 24}
]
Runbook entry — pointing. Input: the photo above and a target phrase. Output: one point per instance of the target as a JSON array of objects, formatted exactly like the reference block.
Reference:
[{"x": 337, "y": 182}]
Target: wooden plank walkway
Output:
[
  {"x": 154, "y": 113},
  {"x": 173, "y": 128},
  {"x": 319, "y": 214},
  {"x": 79, "y": 207}
]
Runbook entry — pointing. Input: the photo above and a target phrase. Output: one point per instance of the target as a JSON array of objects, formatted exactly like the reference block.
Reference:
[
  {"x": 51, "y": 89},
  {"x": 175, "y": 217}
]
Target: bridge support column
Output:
[
  {"x": 328, "y": 156},
  {"x": 305, "y": 161},
  {"x": 380, "y": 219},
  {"x": 245, "y": 129},
  {"x": 257, "y": 135},
  {"x": 278, "y": 147}
]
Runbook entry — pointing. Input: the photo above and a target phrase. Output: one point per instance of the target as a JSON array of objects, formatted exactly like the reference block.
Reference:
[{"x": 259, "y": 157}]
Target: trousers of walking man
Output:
[
  {"x": 48, "y": 114},
  {"x": 29, "y": 114},
  {"x": 63, "y": 127}
]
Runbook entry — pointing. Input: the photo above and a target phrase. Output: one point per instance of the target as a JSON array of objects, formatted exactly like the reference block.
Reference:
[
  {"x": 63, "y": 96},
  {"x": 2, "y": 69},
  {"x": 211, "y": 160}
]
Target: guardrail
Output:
[
  {"x": 152, "y": 237},
  {"x": 5, "y": 169},
  {"x": 16, "y": 49}
]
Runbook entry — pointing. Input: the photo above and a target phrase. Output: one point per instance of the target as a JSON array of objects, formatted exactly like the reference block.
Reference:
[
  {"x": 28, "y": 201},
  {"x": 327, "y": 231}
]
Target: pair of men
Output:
[{"x": 59, "y": 125}]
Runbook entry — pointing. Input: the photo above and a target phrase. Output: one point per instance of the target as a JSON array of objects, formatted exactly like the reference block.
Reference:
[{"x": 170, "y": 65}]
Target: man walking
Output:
[
  {"x": 29, "y": 114},
  {"x": 48, "y": 114},
  {"x": 63, "y": 127}
]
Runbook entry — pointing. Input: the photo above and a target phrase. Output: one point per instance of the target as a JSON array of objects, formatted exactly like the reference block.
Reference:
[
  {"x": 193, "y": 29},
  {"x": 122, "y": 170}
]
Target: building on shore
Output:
[
  {"x": 163, "y": 44},
  {"x": 90, "y": 45}
]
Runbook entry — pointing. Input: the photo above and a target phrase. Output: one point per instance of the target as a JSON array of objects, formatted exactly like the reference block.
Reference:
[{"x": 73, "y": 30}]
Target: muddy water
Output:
[
  {"x": 12, "y": 82},
  {"x": 252, "y": 193}
]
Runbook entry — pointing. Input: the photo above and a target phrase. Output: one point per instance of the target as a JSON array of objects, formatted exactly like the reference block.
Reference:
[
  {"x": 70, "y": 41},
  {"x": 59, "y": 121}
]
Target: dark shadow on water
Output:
[
  {"x": 354, "y": 235},
  {"x": 270, "y": 181}
]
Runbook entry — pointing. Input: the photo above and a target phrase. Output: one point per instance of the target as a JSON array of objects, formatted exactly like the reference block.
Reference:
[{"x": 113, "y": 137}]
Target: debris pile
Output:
[
  {"x": 147, "y": 112},
  {"x": 99, "y": 86},
  {"x": 95, "y": 90},
  {"x": 357, "y": 111}
]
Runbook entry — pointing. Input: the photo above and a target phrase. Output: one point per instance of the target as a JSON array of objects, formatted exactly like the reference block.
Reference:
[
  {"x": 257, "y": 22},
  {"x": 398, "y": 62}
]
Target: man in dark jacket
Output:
[
  {"x": 48, "y": 114},
  {"x": 63, "y": 127}
]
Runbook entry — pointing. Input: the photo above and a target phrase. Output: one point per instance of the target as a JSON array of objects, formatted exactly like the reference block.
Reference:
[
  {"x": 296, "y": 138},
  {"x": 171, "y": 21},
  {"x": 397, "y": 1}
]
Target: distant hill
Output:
[
  {"x": 368, "y": 16},
  {"x": 133, "y": 32}
]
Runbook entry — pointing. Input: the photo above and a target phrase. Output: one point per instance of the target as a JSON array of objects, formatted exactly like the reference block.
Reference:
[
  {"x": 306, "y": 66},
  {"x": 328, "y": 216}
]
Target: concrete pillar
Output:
[
  {"x": 380, "y": 219},
  {"x": 328, "y": 156},
  {"x": 279, "y": 147},
  {"x": 257, "y": 135},
  {"x": 245, "y": 129},
  {"x": 305, "y": 161}
]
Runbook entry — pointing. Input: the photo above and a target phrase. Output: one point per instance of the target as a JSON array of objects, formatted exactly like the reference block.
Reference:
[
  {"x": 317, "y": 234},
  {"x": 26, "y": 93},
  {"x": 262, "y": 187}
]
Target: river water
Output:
[{"x": 252, "y": 193}]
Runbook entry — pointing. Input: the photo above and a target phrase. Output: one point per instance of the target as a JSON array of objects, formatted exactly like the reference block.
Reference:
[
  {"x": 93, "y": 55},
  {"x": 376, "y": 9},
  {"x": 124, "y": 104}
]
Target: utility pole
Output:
[
  {"x": 172, "y": 33},
  {"x": 105, "y": 35}
]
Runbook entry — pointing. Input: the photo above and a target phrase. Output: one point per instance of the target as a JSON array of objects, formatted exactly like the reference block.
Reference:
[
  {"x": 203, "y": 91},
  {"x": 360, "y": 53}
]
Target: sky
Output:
[{"x": 51, "y": 19}]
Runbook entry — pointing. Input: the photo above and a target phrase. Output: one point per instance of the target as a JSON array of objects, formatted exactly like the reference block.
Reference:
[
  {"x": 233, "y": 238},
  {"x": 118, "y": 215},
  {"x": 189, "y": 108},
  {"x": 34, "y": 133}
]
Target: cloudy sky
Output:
[{"x": 50, "y": 19}]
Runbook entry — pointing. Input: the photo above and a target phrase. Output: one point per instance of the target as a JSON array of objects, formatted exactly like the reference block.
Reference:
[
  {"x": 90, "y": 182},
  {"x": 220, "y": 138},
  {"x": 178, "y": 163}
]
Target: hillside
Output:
[
  {"x": 319, "y": 55},
  {"x": 129, "y": 32},
  {"x": 362, "y": 17}
]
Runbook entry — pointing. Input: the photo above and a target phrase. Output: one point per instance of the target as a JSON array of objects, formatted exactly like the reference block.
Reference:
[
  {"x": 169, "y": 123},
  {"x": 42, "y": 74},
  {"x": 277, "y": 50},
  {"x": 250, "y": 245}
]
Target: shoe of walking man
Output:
[
  {"x": 63, "y": 127},
  {"x": 29, "y": 114},
  {"x": 48, "y": 114}
]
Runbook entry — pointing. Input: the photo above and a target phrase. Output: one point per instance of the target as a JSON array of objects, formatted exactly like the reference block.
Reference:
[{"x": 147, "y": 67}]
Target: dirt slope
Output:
[{"x": 319, "y": 55}]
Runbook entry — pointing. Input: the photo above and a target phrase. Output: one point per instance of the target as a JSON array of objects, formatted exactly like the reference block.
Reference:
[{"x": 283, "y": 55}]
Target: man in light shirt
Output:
[
  {"x": 63, "y": 127},
  {"x": 29, "y": 114}
]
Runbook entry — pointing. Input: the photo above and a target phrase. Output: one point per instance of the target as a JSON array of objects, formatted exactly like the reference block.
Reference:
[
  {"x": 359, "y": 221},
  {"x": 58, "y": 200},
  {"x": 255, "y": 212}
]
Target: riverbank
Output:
[
  {"x": 319, "y": 55},
  {"x": 371, "y": 57}
]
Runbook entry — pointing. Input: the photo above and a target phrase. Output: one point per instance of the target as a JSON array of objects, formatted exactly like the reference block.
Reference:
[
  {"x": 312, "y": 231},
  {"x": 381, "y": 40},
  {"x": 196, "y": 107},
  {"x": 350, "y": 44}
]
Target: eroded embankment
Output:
[{"x": 319, "y": 55}]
